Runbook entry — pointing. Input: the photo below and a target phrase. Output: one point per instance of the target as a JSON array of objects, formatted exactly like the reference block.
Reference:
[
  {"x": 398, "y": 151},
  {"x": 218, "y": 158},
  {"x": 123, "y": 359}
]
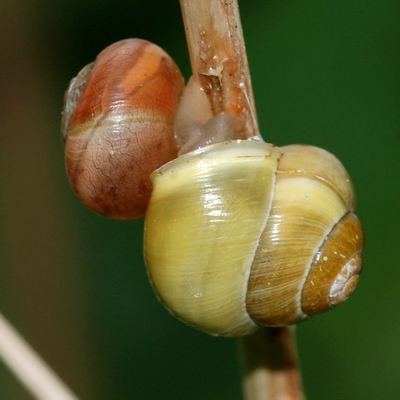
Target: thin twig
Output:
[
  {"x": 29, "y": 367},
  {"x": 219, "y": 64}
]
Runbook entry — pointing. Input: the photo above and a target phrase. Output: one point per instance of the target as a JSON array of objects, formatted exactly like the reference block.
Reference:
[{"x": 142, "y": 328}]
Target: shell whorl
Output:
[{"x": 313, "y": 197}]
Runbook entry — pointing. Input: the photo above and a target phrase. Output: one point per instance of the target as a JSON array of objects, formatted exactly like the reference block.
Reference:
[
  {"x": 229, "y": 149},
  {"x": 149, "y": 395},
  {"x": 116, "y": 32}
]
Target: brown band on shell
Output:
[{"x": 335, "y": 270}]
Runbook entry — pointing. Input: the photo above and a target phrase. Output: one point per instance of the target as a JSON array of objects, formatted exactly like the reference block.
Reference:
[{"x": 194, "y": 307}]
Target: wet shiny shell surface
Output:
[{"x": 203, "y": 224}]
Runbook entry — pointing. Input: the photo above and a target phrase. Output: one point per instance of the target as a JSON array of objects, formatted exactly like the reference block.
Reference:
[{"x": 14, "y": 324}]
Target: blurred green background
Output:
[{"x": 74, "y": 284}]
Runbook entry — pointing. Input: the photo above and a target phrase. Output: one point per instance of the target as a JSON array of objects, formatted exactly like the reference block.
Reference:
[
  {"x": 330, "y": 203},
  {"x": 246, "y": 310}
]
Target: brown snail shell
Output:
[{"x": 118, "y": 126}]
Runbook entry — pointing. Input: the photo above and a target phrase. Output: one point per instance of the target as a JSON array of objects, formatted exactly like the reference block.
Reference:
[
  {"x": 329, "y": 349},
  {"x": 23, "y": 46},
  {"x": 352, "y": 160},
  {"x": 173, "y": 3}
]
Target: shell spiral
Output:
[{"x": 242, "y": 234}]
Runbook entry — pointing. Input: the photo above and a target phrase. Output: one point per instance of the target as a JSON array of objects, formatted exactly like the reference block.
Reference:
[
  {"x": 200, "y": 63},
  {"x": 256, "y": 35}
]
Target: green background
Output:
[{"x": 74, "y": 284}]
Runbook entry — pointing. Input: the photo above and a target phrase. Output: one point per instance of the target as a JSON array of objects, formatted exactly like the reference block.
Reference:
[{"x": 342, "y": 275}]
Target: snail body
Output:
[
  {"x": 237, "y": 235},
  {"x": 118, "y": 126}
]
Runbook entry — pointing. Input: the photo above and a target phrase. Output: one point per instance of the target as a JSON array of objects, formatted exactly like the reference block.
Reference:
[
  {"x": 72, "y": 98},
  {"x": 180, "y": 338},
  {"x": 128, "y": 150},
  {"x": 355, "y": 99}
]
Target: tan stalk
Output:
[
  {"x": 219, "y": 63},
  {"x": 271, "y": 365}
]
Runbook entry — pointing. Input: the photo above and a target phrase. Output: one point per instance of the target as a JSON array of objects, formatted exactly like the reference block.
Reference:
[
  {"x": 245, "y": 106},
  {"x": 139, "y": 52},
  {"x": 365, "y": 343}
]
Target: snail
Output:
[
  {"x": 118, "y": 126},
  {"x": 239, "y": 234},
  {"x": 242, "y": 234}
]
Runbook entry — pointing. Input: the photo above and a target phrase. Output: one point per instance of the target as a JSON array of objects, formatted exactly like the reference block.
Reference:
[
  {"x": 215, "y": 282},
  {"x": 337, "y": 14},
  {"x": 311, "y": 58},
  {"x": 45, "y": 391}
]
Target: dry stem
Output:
[
  {"x": 38, "y": 378},
  {"x": 219, "y": 61},
  {"x": 271, "y": 367}
]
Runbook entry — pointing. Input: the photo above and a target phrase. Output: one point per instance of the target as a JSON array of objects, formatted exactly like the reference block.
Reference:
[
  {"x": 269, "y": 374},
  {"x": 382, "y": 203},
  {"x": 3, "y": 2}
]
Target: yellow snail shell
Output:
[{"x": 240, "y": 234}]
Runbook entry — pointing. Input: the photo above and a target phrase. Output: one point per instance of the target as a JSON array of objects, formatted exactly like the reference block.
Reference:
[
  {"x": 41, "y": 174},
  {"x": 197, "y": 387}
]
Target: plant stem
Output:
[
  {"x": 219, "y": 61},
  {"x": 219, "y": 64},
  {"x": 29, "y": 367},
  {"x": 270, "y": 364}
]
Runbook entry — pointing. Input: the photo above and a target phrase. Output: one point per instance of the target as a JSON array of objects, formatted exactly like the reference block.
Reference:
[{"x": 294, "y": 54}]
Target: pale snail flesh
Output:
[{"x": 240, "y": 234}]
